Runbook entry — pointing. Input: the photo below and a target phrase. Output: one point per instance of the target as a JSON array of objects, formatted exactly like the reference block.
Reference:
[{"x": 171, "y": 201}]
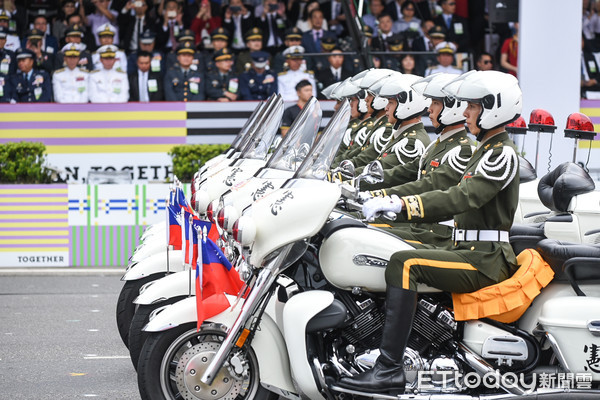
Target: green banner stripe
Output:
[
  {"x": 118, "y": 229},
  {"x": 111, "y": 245},
  {"x": 81, "y": 245},
  {"x": 95, "y": 201},
  {"x": 89, "y": 205},
  {"x": 144, "y": 205}
]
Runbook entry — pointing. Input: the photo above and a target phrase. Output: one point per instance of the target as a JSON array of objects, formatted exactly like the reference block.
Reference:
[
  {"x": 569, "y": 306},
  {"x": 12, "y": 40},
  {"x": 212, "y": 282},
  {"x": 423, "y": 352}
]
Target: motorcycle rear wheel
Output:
[
  {"x": 172, "y": 362},
  {"x": 126, "y": 307}
]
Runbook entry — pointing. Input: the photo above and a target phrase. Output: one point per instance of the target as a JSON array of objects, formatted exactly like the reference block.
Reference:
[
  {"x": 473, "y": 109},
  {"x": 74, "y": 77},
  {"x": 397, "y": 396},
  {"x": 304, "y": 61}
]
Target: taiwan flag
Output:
[{"x": 173, "y": 226}]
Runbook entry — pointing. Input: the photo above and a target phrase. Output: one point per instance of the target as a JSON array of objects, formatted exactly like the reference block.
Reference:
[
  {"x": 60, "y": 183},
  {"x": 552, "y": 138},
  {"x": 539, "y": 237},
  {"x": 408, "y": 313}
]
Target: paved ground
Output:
[{"x": 58, "y": 336}]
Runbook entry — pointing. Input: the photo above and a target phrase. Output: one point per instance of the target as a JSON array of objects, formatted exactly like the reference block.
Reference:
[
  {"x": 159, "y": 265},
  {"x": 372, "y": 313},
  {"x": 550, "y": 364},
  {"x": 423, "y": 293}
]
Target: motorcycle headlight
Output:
[
  {"x": 226, "y": 217},
  {"x": 201, "y": 201},
  {"x": 244, "y": 230}
]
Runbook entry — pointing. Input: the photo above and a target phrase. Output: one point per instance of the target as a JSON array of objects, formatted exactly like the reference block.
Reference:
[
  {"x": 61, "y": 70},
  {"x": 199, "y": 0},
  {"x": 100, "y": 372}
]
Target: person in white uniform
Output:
[
  {"x": 288, "y": 80},
  {"x": 108, "y": 84},
  {"x": 445, "y": 58},
  {"x": 70, "y": 84}
]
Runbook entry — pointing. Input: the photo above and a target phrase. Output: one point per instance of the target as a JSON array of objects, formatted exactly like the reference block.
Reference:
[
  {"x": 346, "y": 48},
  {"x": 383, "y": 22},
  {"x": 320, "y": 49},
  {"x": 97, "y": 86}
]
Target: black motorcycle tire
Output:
[
  {"x": 159, "y": 356},
  {"x": 125, "y": 305},
  {"x": 137, "y": 336}
]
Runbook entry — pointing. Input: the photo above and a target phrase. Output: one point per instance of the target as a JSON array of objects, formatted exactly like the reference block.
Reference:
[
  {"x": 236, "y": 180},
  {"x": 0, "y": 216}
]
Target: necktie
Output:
[
  {"x": 318, "y": 41},
  {"x": 448, "y": 19},
  {"x": 172, "y": 36},
  {"x": 139, "y": 32},
  {"x": 185, "y": 73}
]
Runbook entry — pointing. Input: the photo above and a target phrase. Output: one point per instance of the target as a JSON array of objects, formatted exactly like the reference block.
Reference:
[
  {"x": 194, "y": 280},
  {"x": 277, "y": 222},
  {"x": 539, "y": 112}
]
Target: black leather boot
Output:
[{"x": 387, "y": 375}]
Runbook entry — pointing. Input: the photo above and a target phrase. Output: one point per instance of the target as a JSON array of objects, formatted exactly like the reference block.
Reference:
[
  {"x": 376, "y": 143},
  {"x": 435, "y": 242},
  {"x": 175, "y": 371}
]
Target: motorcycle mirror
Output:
[
  {"x": 347, "y": 169},
  {"x": 375, "y": 171}
]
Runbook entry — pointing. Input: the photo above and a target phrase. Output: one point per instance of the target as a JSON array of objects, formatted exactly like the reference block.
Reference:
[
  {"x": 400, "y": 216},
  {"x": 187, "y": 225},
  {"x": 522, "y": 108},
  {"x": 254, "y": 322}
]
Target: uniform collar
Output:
[
  {"x": 403, "y": 129},
  {"x": 446, "y": 135},
  {"x": 499, "y": 136}
]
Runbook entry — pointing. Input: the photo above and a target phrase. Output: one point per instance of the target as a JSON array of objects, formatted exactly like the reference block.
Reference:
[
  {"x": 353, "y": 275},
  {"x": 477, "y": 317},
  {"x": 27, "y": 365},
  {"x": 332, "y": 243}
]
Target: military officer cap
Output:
[
  {"x": 367, "y": 31},
  {"x": 185, "y": 48},
  {"x": 222, "y": 55},
  {"x": 108, "y": 51},
  {"x": 186, "y": 35},
  {"x": 3, "y": 32},
  {"x": 293, "y": 33},
  {"x": 24, "y": 53},
  {"x": 294, "y": 52},
  {"x": 437, "y": 31},
  {"x": 147, "y": 37},
  {"x": 74, "y": 30},
  {"x": 35, "y": 34},
  {"x": 71, "y": 50},
  {"x": 445, "y": 48},
  {"x": 4, "y": 15},
  {"x": 106, "y": 30},
  {"x": 259, "y": 58},
  {"x": 396, "y": 42},
  {"x": 328, "y": 43},
  {"x": 219, "y": 33},
  {"x": 253, "y": 34}
]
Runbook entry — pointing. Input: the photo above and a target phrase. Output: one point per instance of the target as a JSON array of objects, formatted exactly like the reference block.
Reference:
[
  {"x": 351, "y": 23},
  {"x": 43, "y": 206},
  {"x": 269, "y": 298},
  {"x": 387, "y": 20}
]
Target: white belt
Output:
[
  {"x": 449, "y": 223},
  {"x": 474, "y": 235}
]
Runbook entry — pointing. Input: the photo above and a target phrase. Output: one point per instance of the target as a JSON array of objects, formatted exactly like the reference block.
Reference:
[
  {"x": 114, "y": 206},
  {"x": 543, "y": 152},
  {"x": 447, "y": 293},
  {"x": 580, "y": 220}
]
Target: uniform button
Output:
[
  {"x": 185, "y": 83},
  {"x": 423, "y": 172},
  {"x": 184, "y": 100},
  {"x": 431, "y": 230},
  {"x": 472, "y": 248}
]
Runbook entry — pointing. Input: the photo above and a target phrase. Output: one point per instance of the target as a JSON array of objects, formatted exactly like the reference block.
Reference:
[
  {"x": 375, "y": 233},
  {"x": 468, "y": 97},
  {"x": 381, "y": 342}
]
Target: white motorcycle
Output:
[
  {"x": 295, "y": 147},
  {"x": 161, "y": 261},
  {"x": 312, "y": 312}
]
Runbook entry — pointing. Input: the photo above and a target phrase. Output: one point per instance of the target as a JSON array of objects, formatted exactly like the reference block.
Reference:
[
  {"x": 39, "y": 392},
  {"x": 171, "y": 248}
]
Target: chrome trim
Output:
[{"x": 561, "y": 358}]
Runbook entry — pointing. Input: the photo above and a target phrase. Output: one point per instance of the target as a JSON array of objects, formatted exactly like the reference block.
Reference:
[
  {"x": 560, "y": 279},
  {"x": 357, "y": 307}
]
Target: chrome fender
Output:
[
  {"x": 298, "y": 311},
  {"x": 154, "y": 264},
  {"x": 268, "y": 343},
  {"x": 177, "y": 284}
]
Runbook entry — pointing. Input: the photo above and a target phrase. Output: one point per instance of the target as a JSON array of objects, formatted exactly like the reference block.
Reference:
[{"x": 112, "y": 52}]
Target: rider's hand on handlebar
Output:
[
  {"x": 364, "y": 196},
  {"x": 381, "y": 204}
]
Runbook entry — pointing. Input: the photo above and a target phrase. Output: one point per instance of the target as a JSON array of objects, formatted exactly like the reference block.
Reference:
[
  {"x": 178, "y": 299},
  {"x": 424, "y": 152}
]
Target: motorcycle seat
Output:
[
  {"x": 526, "y": 236},
  {"x": 556, "y": 253},
  {"x": 526, "y": 171},
  {"x": 559, "y": 186}
]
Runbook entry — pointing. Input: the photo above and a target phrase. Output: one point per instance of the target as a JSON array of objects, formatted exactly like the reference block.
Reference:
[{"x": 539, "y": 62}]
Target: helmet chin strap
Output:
[
  {"x": 481, "y": 134},
  {"x": 397, "y": 124}
]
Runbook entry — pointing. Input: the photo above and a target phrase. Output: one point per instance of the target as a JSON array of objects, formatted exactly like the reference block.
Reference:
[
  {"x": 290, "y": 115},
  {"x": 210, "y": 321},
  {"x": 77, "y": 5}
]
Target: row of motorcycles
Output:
[{"x": 311, "y": 309}]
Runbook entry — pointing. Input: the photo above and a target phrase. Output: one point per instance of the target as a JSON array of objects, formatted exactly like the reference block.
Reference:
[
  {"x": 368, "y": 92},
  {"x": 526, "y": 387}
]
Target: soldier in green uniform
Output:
[
  {"x": 221, "y": 83},
  {"x": 254, "y": 42},
  {"x": 439, "y": 168},
  {"x": 483, "y": 204},
  {"x": 409, "y": 138},
  {"x": 359, "y": 128},
  {"x": 219, "y": 38}
]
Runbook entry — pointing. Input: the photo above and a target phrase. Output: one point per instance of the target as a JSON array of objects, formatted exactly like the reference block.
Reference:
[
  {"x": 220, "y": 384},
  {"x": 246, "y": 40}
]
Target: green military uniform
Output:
[
  {"x": 407, "y": 144},
  {"x": 483, "y": 205},
  {"x": 358, "y": 134},
  {"x": 440, "y": 168},
  {"x": 379, "y": 138}
]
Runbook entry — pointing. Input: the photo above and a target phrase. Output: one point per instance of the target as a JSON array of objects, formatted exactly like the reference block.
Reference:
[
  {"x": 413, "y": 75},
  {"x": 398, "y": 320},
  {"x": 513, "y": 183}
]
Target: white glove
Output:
[
  {"x": 381, "y": 204},
  {"x": 364, "y": 196}
]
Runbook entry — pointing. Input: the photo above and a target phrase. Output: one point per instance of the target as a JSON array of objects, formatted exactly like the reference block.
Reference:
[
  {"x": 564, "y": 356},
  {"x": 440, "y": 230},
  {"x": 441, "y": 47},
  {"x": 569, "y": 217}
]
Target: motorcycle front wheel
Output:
[{"x": 172, "y": 362}]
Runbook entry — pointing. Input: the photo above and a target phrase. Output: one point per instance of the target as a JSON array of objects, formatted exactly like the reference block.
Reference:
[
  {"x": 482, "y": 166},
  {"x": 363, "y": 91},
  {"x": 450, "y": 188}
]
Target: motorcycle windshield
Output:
[
  {"x": 258, "y": 147},
  {"x": 316, "y": 166},
  {"x": 296, "y": 145},
  {"x": 253, "y": 126},
  {"x": 249, "y": 123}
]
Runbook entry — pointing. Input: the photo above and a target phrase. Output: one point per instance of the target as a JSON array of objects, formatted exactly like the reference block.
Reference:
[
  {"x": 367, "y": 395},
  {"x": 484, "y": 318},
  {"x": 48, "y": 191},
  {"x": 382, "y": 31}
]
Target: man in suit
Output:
[
  {"x": 335, "y": 72},
  {"x": 457, "y": 28},
  {"x": 238, "y": 20},
  {"x": 43, "y": 60},
  {"x": 147, "y": 44},
  {"x": 311, "y": 40},
  {"x": 49, "y": 44},
  {"x": 30, "y": 85},
  {"x": 336, "y": 19},
  {"x": 166, "y": 36},
  {"x": 144, "y": 84},
  {"x": 182, "y": 82},
  {"x": 273, "y": 23},
  {"x": 133, "y": 23}
]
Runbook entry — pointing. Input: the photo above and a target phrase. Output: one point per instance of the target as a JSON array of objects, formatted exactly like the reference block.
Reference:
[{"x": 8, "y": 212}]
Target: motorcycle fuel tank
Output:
[{"x": 357, "y": 257}]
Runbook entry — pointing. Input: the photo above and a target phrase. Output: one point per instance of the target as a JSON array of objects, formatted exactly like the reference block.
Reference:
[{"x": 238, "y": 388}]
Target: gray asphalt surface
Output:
[{"x": 58, "y": 336}]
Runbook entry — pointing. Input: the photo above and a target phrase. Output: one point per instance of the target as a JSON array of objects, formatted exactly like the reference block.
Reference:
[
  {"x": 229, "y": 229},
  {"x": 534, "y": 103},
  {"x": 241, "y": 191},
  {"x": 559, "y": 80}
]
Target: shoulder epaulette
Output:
[
  {"x": 59, "y": 70},
  {"x": 282, "y": 73},
  {"x": 94, "y": 71},
  {"x": 120, "y": 70}
]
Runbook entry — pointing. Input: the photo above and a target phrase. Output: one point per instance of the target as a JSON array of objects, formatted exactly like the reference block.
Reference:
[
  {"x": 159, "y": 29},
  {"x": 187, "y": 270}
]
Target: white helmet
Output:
[
  {"x": 329, "y": 91},
  {"x": 452, "y": 109},
  {"x": 410, "y": 103},
  {"x": 379, "y": 103},
  {"x": 498, "y": 93}
]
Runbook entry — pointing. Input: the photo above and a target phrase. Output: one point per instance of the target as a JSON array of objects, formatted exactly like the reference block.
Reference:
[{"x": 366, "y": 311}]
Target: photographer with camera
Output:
[
  {"x": 238, "y": 20},
  {"x": 43, "y": 60},
  {"x": 133, "y": 22},
  {"x": 172, "y": 26}
]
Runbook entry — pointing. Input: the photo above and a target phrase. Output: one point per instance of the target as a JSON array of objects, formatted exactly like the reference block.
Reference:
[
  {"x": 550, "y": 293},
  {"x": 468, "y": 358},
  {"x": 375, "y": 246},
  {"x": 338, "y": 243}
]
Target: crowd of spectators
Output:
[{"x": 78, "y": 51}]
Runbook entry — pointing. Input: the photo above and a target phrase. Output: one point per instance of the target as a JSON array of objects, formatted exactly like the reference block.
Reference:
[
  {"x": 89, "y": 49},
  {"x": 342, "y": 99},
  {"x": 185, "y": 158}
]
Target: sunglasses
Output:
[
  {"x": 486, "y": 62},
  {"x": 451, "y": 4}
]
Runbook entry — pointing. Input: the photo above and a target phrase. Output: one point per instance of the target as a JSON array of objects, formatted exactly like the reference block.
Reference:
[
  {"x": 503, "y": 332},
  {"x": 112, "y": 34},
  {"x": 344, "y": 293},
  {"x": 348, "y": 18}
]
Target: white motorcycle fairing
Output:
[
  {"x": 154, "y": 264},
  {"x": 247, "y": 192},
  {"x": 152, "y": 245},
  {"x": 217, "y": 184},
  {"x": 284, "y": 208},
  {"x": 173, "y": 285},
  {"x": 268, "y": 343}
]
